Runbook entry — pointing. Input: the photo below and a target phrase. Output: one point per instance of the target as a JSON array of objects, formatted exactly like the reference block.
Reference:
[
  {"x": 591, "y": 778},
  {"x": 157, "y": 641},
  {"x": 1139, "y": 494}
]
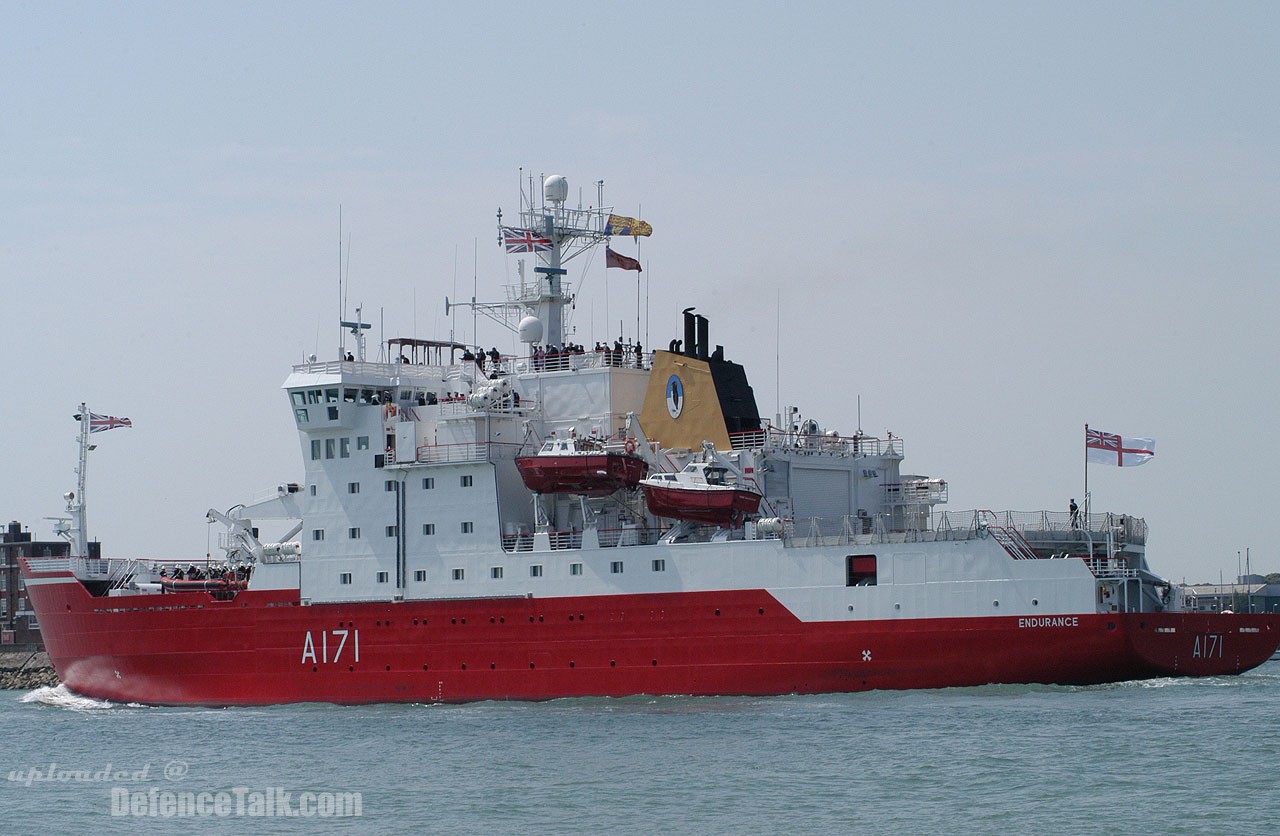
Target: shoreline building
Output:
[{"x": 18, "y": 625}]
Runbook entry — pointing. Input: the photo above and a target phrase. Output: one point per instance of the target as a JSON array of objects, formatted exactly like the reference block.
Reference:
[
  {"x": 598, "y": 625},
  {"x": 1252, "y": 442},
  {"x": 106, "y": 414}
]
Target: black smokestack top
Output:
[
  {"x": 702, "y": 337},
  {"x": 690, "y": 333}
]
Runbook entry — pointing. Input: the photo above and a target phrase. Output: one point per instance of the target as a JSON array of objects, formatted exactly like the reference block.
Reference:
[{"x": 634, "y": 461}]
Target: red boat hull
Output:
[
  {"x": 265, "y": 647},
  {"x": 590, "y": 474},
  {"x": 716, "y": 507}
]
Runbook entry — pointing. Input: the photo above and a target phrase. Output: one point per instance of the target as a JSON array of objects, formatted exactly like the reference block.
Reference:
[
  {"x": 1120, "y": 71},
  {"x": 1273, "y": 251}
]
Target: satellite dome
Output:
[
  {"x": 530, "y": 330},
  {"x": 555, "y": 189}
]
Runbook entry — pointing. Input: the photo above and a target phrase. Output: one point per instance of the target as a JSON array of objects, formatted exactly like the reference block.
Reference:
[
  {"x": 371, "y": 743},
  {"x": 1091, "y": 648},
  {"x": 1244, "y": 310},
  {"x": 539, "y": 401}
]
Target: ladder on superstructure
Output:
[{"x": 1013, "y": 542}]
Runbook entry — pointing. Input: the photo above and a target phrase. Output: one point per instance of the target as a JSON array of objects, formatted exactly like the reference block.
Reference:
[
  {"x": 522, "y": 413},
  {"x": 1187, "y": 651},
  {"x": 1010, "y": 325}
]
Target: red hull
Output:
[
  {"x": 590, "y": 474},
  {"x": 264, "y": 647}
]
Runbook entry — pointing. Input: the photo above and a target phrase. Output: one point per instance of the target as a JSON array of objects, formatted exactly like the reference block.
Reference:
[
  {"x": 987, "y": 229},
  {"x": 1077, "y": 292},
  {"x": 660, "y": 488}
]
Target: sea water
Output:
[{"x": 1160, "y": 756}]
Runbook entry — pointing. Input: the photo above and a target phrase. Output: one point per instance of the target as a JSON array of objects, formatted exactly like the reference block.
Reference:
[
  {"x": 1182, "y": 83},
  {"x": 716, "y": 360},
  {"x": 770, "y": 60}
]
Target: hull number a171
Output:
[
  {"x": 1208, "y": 646},
  {"x": 335, "y": 640}
]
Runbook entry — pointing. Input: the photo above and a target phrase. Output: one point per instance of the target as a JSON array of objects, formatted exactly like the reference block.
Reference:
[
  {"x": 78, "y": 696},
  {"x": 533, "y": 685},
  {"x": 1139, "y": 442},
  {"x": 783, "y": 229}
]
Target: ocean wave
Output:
[{"x": 60, "y": 696}]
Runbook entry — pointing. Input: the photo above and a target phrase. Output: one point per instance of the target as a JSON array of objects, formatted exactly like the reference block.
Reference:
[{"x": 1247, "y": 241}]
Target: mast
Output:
[{"x": 75, "y": 503}]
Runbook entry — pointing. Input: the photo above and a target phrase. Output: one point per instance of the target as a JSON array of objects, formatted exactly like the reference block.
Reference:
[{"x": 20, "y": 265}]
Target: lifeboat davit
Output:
[
  {"x": 700, "y": 493},
  {"x": 582, "y": 466}
]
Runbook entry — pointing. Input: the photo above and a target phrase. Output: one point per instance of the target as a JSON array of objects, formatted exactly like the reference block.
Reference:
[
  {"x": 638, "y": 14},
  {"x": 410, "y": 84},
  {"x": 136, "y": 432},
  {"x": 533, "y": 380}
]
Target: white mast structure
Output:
[
  {"x": 572, "y": 232},
  {"x": 73, "y": 527}
]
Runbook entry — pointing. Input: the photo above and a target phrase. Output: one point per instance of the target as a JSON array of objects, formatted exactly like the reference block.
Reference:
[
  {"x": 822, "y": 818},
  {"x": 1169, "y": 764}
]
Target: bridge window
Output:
[
  {"x": 362, "y": 442},
  {"x": 349, "y": 395},
  {"x": 333, "y": 413},
  {"x": 330, "y": 395},
  {"x": 861, "y": 570},
  {"x": 344, "y": 447},
  {"x": 329, "y": 447},
  {"x": 301, "y": 415},
  {"x": 315, "y": 449}
]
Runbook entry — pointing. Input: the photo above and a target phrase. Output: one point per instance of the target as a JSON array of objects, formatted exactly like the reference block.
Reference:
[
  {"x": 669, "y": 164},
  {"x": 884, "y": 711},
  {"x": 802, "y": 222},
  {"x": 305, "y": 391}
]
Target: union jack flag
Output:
[
  {"x": 1111, "y": 448},
  {"x": 102, "y": 423},
  {"x": 524, "y": 240}
]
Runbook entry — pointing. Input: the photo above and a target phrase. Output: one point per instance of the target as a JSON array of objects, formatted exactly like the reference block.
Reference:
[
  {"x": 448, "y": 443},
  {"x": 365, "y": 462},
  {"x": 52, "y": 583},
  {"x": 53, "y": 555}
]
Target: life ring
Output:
[{"x": 630, "y": 445}]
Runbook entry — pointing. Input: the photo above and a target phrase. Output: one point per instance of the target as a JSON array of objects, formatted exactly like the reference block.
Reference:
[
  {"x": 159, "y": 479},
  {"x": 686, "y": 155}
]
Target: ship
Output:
[{"x": 433, "y": 551}]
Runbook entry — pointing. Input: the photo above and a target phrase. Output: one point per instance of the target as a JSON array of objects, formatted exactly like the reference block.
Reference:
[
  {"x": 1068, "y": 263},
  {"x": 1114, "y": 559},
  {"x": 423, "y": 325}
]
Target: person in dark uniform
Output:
[{"x": 1075, "y": 514}]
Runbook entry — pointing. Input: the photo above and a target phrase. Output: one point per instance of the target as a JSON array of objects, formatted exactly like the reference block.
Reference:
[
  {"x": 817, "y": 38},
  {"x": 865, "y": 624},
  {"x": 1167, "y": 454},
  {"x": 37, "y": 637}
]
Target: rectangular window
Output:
[
  {"x": 467, "y": 528},
  {"x": 353, "y": 534},
  {"x": 659, "y": 565},
  {"x": 459, "y": 574},
  {"x": 349, "y": 395},
  {"x": 333, "y": 413},
  {"x": 317, "y": 534},
  {"x": 860, "y": 570},
  {"x": 299, "y": 398},
  {"x": 420, "y": 575},
  {"x": 535, "y": 571},
  {"x": 575, "y": 568},
  {"x": 313, "y": 396},
  {"x": 382, "y": 577},
  {"x": 391, "y": 531},
  {"x": 301, "y": 415},
  {"x": 362, "y": 442},
  {"x": 313, "y": 490},
  {"x": 344, "y": 578},
  {"x": 495, "y": 572},
  {"x": 428, "y": 529},
  {"x": 315, "y": 449},
  {"x": 330, "y": 395},
  {"x": 353, "y": 487},
  {"x": 344, "y": 447},
  {"x": 390, "y": 485},
  {"x": 466, "y": 481},
  {"x": 428, "y": 483},
  {"x": 616, "y": 567},
  {"x": 330, "y": 447}
]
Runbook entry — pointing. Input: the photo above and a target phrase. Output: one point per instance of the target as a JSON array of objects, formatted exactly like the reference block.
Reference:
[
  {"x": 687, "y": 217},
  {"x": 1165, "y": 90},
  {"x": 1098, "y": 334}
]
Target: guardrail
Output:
[{"x": 474, "y": 451}]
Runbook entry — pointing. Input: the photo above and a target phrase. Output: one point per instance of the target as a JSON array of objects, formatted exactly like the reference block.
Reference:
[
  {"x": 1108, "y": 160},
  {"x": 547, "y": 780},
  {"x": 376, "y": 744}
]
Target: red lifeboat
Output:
[
  {"x": 700, "y": 493},
  {"x": 582, "y": 466}
]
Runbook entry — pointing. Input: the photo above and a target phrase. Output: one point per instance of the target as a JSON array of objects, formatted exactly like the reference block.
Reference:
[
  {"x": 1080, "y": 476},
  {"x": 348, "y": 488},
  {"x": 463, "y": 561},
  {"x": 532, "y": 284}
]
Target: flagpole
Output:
[{"x": 1086, "y": 475}]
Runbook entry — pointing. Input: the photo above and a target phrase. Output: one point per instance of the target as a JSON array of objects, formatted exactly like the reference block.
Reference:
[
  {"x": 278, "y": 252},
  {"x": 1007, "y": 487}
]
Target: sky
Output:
[{"x": 978, "y": 225}]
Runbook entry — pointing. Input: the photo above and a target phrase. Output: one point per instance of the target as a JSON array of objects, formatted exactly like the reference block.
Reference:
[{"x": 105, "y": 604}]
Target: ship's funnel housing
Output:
[{"x": 695, "y": 395}]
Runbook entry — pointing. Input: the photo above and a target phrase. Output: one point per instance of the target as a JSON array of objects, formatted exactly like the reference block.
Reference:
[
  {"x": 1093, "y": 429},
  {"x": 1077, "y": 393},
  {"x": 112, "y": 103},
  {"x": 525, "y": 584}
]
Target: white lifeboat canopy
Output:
[{"x": 555, "y": 189}]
